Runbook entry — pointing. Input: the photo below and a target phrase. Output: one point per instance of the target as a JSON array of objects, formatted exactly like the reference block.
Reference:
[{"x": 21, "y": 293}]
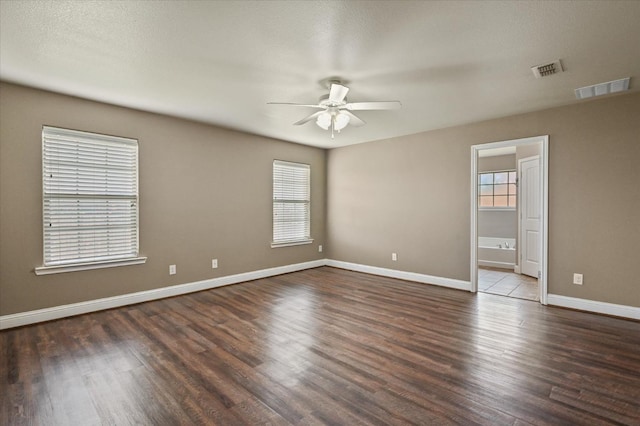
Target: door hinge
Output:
[{"x": 539, "y": 274}]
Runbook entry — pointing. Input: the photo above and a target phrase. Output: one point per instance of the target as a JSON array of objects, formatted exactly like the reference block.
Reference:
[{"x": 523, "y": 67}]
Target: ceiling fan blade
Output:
[
  {"x": 360, "y": 106},
  {"x": 309, "y": 118},
  {"x": 353, "y": 119},
  {"x": 338, "y": 93},
  {"x": 293, "y": 104}
]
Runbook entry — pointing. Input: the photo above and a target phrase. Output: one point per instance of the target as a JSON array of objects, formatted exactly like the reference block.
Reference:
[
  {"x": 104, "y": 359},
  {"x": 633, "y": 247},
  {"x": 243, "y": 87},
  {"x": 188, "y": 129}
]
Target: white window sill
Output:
[
  {"x": 46, "y": 270},
  {"x": 497, "y": 209},
  {"x": 291, "y": 243}
]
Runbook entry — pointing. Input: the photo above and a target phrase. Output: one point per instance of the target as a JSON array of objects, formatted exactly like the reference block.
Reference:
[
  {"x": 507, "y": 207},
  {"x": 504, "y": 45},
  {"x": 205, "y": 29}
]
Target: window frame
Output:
[
  {"x": 306, "y": 239},
  {"x": 497, "y": 208},
  {"x": 81, "y": 264}
]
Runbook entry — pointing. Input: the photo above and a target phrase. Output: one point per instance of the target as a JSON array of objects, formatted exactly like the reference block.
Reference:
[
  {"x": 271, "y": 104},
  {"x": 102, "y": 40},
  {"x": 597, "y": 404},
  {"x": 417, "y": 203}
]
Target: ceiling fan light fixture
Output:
[
  {"x": 324, "y": 120},
  {"x": 340, "y": 121}
]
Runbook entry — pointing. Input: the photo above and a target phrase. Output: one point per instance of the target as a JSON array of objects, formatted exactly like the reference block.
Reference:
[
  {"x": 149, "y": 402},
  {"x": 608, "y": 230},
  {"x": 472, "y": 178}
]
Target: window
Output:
[
  {"x": 291, "y": 204},
  {"x": 90, "y": 200},
  {"x": 497, "y": 189}
]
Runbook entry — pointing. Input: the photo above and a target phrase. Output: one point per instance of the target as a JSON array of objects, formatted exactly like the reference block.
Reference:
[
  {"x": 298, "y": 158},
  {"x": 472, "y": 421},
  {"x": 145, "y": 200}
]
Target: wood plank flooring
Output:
[{"x": 324, "y": 346}]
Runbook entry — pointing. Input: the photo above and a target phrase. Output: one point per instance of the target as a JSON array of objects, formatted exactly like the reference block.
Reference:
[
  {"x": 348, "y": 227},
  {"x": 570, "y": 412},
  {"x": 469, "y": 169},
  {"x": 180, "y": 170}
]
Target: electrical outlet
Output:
[
  {"x": 214, "y": 263},
  {"x": 172, "y": 269},
  {"x": 394, "y": 256},
  {"x": 320, "y": 249},
  {"x": 577, "y": 279}
]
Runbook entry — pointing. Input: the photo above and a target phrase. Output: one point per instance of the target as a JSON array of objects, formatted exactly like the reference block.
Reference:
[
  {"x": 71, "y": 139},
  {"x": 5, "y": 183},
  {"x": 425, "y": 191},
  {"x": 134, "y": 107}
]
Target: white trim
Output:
[
  {"x": 403, "y": 275},
  {"x": 623, "y": 311},
  {"x": 291, "y": 243},
  {"x": 473, "y": 274},
  {"x": 544, "y": 268},
  {"x": 497, "y": 209},
  {"x": 544, "y": 257},
  {"x": 63, "y": 311},
  {"x": 297, "y": 165},
  {"x": 46, "y": 270},
  {"x": 493, "y": 264},
  {"x": 56, "y": 312}
]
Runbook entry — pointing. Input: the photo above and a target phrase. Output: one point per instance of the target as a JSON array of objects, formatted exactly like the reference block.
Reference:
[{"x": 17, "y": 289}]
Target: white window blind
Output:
[
  {"x": 90, "y": 197},
  {"x": 291, "y": 203}
]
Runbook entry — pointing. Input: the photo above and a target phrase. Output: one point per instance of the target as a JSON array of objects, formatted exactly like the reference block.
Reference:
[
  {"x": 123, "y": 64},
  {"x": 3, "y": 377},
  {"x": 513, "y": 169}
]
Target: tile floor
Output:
[{"x": 507, "y": 283}]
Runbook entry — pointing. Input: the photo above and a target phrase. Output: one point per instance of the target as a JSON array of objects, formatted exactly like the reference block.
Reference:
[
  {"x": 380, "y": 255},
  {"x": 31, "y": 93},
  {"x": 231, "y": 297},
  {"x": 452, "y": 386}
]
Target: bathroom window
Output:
[{"x": 497, "y": 190}]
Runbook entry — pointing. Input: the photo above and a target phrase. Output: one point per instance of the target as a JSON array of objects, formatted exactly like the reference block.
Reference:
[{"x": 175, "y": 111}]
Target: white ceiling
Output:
[{"x": 219, "y": 62}]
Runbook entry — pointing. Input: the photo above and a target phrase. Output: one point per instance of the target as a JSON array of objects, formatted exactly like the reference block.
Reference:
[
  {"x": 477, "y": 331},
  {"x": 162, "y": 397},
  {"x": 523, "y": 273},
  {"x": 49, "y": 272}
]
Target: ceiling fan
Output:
[{"x": 336, "y": 112}]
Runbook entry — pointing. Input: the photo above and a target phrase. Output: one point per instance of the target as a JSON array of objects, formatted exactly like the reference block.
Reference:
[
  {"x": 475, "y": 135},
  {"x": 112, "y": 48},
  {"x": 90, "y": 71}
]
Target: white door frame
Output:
[{"x": 544, "y": 206}]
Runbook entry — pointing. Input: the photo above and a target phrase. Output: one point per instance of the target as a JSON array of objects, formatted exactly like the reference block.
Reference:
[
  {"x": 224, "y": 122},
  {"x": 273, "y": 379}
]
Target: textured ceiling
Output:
[{"x": 218, "y": 62}]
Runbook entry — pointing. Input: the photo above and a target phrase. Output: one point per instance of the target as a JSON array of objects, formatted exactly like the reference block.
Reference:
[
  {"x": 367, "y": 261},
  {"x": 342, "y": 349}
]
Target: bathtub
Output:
[{"x": 493, "y": 251}]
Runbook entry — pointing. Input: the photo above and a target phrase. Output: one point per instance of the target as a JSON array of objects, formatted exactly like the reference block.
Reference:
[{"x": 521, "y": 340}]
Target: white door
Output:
[{"x": 530, "y": 215}]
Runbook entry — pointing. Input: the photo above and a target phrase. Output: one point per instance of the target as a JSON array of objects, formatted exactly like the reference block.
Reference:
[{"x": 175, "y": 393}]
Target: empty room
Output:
[{"x": 319, "y": 212}]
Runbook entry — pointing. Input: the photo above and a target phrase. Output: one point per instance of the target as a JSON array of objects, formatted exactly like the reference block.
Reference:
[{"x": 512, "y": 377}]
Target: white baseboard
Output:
[
  {"x": 409, "y": 276},
  {"x": 594, "y": 306},
  {"x": 56, "y": 312},
  {"x": 492, "y": 264}
]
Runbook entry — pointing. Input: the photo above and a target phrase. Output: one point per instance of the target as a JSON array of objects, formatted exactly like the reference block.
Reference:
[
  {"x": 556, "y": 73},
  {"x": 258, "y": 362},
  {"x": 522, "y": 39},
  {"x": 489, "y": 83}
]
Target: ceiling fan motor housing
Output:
[{"x": 326, "y": 102}]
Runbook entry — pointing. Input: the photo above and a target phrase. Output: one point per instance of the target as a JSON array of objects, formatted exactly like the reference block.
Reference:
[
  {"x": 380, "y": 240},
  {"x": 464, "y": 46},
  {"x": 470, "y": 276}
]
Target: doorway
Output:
[{"x": 515, "y": 263}]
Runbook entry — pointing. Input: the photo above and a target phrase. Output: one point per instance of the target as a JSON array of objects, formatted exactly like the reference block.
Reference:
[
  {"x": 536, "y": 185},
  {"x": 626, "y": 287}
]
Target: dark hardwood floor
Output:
[{"x": 324, "y": 346}]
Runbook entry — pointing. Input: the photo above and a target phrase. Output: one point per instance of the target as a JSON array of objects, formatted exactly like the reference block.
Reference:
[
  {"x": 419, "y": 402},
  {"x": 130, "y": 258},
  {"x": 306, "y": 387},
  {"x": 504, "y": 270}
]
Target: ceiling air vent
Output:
[
  {"x": 546, "y": 70},
  {"x": 603, "y": 88}
]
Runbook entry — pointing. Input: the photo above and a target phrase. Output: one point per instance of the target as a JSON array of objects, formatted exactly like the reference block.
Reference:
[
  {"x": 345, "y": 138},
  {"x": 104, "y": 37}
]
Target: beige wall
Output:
[
  {"x": 524, "y": 151},
  {"x": 497, "y": 163},
  {"x": 205, "y": 192},
  {"x": 411, "y": 195},
  {"x": 497, "y": 223}
]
